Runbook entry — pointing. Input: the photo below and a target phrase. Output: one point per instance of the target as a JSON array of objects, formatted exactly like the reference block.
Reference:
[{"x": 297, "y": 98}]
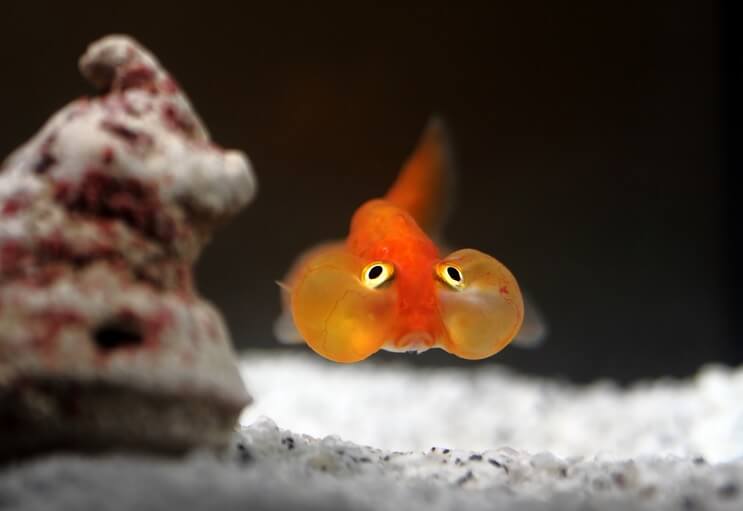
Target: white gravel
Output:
[
  {"x": 442, "y": 439},
  {"x": 395, "y": 406}
]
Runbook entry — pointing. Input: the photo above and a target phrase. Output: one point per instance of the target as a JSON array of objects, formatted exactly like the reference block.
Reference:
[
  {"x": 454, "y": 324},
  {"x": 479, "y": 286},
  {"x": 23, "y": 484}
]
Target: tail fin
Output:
[{"x": 424, "y": 187}]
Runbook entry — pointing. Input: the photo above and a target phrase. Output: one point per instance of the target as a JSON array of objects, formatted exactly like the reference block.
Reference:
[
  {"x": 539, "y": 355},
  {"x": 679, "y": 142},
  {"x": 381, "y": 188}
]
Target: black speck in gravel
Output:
[
  {"x": 466, "y": 477},
  {"x": 728, "y": 491},
  {"x": 699, "y": 460},
  {"x": 340, "y": 452},
  {"x": 446, "y": 451},
  {"x": 364, "y": 459},
  {"x": 244, "y": 456},
  {"x": 498, "y": 464},
  {"x": 386, "y": 458},
  {"x": 476, "y": 457},
  {"x": 564, "y": 472},
  {"x": 433, "y": 449},
  {"x": 458, "y": 461}
]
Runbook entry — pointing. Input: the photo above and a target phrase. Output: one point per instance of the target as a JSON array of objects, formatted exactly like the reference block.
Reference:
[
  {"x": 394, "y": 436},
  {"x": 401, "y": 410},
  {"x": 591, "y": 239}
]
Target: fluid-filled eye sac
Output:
[
  {"x": 485, "y": 312},
  {"x": 339, "y": 316}
]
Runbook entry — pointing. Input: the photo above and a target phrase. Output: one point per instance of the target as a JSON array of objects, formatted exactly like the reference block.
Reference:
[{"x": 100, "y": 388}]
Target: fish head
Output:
[{"x": 387, "y": 288}]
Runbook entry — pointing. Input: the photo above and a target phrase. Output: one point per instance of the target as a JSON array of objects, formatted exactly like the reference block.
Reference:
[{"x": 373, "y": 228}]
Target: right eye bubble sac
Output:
[
  {"x": 336, "y": 315},
  {"x": 483, "y": 317}
]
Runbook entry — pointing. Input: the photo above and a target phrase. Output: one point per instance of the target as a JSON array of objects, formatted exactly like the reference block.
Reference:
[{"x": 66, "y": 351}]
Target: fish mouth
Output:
[{"x": 413, "y": 342}]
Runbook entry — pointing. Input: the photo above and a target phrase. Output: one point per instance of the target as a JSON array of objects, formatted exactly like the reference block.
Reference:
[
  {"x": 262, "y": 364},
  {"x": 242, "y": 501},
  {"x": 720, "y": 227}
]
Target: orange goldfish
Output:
[{"x": 387, "y": 286}]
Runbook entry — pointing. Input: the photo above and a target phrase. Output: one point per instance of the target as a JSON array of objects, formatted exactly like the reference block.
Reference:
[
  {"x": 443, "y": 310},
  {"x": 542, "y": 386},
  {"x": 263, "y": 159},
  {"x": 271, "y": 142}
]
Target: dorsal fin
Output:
[{"x": 424, "y": 187}]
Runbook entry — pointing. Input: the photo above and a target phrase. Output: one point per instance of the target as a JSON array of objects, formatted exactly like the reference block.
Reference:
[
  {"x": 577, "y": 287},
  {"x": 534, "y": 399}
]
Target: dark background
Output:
[{"x": 594, "y": 160}]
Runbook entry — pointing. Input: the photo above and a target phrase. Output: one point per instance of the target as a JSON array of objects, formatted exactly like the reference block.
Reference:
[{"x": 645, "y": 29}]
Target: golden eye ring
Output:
[
  {"x": 377, "y": 273},
  {"x": 451, "y": 275}
]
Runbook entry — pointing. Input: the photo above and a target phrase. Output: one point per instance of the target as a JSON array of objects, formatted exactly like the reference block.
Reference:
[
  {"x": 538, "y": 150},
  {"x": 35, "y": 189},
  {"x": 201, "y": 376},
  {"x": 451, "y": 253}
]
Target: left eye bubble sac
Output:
[
  {"x": 337, "y": 315},
  {"x": 104, "y": 342},
  {"x": 486, "y": 314}
]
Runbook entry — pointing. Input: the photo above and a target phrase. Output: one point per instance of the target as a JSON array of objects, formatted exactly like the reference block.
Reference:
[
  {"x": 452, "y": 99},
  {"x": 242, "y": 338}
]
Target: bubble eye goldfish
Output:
[{"x": 386, "y": 286}]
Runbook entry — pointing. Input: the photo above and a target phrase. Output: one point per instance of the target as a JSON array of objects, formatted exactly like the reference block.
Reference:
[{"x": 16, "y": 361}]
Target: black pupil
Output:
[
  {"x": 375, "y": 271},
  {"x": 454, "y": 274}
]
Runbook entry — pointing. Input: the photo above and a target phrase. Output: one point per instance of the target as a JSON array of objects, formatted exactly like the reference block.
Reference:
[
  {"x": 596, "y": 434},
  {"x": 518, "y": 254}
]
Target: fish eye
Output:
[
  {"x": 377, "y": 273},
  {"x": 451, "y": 275}
]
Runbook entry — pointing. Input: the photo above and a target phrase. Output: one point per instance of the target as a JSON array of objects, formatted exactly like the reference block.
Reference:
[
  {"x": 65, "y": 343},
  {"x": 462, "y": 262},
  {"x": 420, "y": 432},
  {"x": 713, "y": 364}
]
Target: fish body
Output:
[
  {"x": 387, "y": 285},
  {"x": 381, "y": 231}
]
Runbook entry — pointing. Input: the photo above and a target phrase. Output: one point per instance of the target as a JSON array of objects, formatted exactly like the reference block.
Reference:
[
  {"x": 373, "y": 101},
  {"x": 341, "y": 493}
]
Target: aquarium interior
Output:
[{"x": 633, "y": 400}]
